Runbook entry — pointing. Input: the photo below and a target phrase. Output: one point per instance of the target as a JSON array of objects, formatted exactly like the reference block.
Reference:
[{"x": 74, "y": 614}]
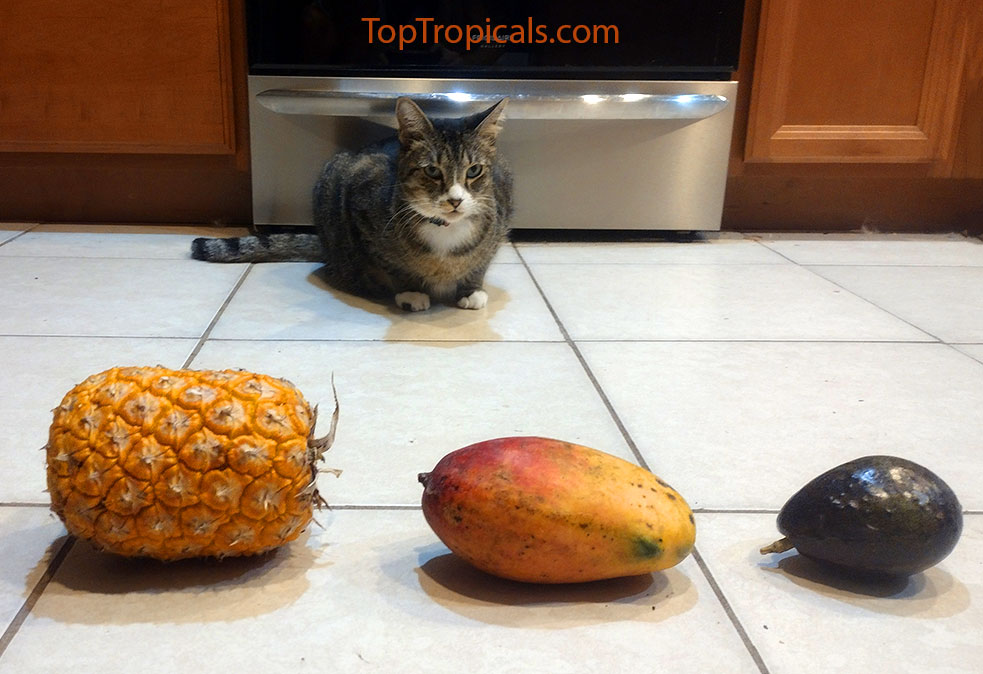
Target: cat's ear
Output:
[
  {"x": 491, "y": 120},
  {"x": 413, "y": 124}
]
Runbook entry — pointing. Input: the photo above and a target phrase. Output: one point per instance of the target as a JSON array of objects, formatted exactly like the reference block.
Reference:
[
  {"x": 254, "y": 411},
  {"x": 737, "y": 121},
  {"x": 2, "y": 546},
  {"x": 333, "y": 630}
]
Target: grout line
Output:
[
  {"x": 65, "y": 336},
  {"x": 729, "y": 610},
  {"x": 32, "y": 598},
  {"x": 974, "y": 358},
  {"x": 17, "y": 236},
  {"x": 735, "y": 511},
  {"x": 955, "y": 347},
  {"x": 717, "y": 263},
  {"x": 142, "y": 258},
  {"x": 888, "y": 265},
  {"x": 587, "y": 340},
  {"x": 748, "y": 644},
  {"x": 809, "y": 268},
  {"x": 354, "y": 506},
  {"x": 410, "y": 506},
  {"x": 590, "y": 374},
  {"x": 771, "y": 511},
  {"x": 655, "y": 263},
  {"x": 352, "y": 340},
  {"x": 669, "y": 340},
  {"x": 777, "y": 263},
  {"x": 218, "y": 314},
  {"x": 246, "y": 340}
]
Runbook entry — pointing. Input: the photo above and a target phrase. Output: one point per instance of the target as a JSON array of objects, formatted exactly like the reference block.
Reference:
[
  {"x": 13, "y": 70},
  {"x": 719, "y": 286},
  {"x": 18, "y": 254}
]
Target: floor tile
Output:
[
  {"x": 710, "y": 302},
  {"x": 712, "y": 251},
  {"x": 106, "y": 298},
  {"x": 130, "y": 241},
  {"x": 920, "y": 251},
  {"x": 372, "y": 591},
  {"x": 35, "y": 374},
  {"x": 944, "y": 301},
  {"x": 803, "y": 619},
  {"x": 28, "y": 538},
  {"x": 117, "y": 241},
  {"x": 506, "y": 255},
  {"x": 406, "y": 405},
  {"x": 289, "y": 301},
  {"x": 744, "y": 425},
  {"x": 794, "y": 370},
  {"x": 11, "y": 230},
  {"x": 972, "y": 350}
]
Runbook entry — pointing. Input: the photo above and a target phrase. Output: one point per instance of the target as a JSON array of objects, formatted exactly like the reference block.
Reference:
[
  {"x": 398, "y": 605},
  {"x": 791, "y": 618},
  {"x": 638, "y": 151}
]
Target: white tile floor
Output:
[{"x": 737, "y": 368}]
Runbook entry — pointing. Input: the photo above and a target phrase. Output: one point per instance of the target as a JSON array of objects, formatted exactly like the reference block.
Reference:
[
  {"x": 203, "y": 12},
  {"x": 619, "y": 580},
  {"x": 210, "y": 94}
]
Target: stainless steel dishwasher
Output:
[{"x": 620, "y": 116}]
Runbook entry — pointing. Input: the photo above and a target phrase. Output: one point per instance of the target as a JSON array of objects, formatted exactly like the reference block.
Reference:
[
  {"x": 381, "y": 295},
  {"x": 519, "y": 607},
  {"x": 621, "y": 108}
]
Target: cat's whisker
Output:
[{"x": 400, "y": 218}]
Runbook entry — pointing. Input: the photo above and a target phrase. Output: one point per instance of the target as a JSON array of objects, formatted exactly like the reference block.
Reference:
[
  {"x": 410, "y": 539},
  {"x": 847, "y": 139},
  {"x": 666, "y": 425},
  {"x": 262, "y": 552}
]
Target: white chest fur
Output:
[{"x": 442, "y": 239}]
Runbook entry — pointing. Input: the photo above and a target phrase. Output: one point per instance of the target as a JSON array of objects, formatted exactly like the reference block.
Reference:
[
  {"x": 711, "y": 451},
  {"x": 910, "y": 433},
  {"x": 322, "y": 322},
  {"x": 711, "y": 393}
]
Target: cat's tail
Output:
[{"x": 289, "y": 247}]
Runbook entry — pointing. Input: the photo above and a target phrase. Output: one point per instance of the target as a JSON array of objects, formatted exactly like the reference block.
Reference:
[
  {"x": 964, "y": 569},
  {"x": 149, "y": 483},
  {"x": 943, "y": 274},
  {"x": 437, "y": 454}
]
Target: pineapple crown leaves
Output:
[{"x": 316, "y": 448}]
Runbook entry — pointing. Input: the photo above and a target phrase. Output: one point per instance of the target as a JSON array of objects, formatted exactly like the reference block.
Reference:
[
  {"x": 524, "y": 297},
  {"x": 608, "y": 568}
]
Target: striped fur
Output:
[
  {"x": 262, "y": 248},
  {"x": 419, "y": 215}
]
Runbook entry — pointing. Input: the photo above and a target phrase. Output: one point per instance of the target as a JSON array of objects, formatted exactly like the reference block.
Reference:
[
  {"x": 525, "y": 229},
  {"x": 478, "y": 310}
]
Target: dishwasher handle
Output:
[{"x": 380, "y": 106}]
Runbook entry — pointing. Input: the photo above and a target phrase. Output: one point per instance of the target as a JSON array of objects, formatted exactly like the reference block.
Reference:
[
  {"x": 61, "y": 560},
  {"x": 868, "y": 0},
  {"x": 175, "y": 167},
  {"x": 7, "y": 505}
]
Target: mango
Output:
[{"x": 546, "y": 511}]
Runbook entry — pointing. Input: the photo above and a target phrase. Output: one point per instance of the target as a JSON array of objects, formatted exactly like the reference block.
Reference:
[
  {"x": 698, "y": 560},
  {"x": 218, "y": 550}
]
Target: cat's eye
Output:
[
  {"x": 431, "y": 171},
  {"x": 474, "y": 171}
]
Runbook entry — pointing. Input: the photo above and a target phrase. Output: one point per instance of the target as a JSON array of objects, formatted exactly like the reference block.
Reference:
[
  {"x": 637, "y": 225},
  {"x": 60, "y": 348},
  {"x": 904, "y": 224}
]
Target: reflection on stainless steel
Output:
[
  {"x": 587, "y": 154},
  {"x": 378, "y": 105}
]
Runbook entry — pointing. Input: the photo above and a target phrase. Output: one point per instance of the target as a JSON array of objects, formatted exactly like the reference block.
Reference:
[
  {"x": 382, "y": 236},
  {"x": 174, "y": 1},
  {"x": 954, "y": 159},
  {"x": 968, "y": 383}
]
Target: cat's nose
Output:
[{"x": 455, "y": 202}]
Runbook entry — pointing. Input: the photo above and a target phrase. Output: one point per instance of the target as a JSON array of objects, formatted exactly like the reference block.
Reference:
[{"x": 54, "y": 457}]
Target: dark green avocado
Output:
[{"x": 879, "y": 515}]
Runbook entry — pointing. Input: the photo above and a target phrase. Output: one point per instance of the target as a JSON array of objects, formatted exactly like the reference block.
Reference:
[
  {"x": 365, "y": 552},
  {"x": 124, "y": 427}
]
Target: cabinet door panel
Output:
[
  {"x": 115, "y": 76},
  {"x": 845, "y": 81}
]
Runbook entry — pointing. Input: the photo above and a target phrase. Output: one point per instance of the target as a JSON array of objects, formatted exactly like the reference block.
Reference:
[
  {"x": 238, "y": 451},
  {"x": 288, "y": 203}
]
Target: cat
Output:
[{"x": 416, "y": 218}]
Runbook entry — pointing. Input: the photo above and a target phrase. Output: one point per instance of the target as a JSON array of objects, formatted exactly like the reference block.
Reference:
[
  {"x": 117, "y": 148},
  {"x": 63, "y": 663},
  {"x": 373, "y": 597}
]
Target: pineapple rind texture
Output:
[{"x": 171, "y": 464}]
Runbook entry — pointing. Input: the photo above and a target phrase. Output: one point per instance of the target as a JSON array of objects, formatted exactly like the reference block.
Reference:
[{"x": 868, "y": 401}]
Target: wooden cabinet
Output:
[
  {"x": 123, "y": 111},
  {"x": 845, "y": 81},
  {"x": 859, "y": 115},
  {"x": 116, "y": 76}
]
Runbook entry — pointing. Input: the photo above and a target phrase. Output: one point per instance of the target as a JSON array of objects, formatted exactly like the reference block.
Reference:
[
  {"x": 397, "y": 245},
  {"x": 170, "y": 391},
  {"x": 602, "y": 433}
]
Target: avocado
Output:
[{"x": 878, "y": 515}]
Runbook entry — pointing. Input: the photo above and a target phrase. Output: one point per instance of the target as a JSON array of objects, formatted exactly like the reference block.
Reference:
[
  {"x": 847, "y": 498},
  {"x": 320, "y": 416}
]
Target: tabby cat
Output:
[{"x": 417, "y": 218}]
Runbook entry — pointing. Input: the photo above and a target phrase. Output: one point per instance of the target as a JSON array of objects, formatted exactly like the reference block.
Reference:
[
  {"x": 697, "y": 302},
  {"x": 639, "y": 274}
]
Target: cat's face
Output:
[{"x": 445, "y": 167}]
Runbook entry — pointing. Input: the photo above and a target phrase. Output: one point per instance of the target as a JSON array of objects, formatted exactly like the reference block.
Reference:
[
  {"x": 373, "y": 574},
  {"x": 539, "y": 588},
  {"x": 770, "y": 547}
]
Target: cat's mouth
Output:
[
  {"x": 440, "y": 217},
  {"x": 446, "y": 219}
]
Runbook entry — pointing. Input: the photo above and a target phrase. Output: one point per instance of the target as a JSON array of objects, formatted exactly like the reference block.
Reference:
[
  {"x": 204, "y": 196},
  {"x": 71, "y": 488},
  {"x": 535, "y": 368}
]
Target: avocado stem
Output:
[{"x": 780, "y": 545}]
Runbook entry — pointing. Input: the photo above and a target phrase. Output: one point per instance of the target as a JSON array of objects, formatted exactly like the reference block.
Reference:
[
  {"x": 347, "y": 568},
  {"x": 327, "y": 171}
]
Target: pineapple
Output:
[{"x": 170, "y": 464}]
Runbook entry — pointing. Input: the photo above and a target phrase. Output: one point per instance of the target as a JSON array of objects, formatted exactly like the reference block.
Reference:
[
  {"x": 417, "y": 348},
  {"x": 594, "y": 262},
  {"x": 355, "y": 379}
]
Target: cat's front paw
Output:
[
  {"x": 476, "y": 300},
  {"x": 411, "y": 301}
]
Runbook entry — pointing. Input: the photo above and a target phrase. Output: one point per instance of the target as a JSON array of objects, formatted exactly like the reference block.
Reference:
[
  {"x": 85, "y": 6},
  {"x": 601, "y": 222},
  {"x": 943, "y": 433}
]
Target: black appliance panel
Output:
[{"x": 651, "y": 39}]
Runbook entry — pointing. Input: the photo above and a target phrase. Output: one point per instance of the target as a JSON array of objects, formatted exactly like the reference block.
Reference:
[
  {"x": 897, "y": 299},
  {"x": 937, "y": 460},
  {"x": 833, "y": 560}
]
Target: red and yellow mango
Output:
[{"x": 547, "y": 511}]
